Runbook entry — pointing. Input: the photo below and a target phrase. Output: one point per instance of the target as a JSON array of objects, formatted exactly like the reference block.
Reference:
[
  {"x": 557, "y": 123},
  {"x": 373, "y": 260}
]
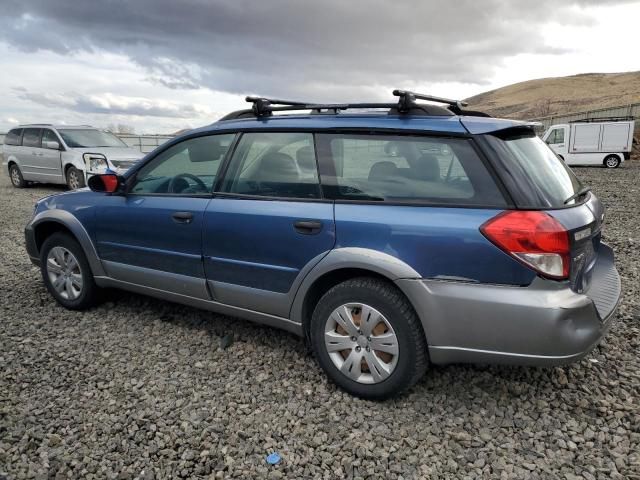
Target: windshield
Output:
[
  {"x": 545, "y": 175},
  {"x": 77, "y": 138}
]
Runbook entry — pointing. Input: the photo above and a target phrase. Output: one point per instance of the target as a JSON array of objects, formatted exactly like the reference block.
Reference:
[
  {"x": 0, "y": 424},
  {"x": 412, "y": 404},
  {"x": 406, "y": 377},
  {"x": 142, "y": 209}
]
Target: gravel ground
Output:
[{"x": 140, "y": 388}]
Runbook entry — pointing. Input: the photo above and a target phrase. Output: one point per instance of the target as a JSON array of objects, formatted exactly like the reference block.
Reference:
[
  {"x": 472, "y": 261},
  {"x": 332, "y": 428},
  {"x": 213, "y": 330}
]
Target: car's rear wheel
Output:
[
  {"x": 368, "y": 339},
  {"x": 612, "y": 161},
  {"x": 17, "y": 180},
  {"x": 75, "y": 178},
  {"x": 66, "y": 272}
]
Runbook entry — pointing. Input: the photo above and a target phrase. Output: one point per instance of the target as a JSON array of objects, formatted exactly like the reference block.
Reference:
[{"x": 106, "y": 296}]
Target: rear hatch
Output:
[{"x": 537, "y": 179}]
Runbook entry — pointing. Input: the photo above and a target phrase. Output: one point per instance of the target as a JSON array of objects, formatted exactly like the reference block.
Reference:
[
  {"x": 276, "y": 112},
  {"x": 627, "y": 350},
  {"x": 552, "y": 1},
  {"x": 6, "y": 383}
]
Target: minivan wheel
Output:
[
  {"x": 17, "y": 180},
  {"x": 66, "y": 272},
  {"x": 75, "y": 178},
  {"x": 368, "y": 339},
  {"x": 612, "y": 161}
]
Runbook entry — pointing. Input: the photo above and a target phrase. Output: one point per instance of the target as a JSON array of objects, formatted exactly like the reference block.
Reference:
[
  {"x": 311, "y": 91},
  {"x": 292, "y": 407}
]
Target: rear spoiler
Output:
[{"x": 480, "y": 125}]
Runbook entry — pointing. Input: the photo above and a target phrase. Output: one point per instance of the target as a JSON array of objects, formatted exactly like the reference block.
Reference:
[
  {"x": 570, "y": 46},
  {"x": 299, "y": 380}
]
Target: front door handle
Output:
[
  {"x": 182, "y": 217},
  {"x": 308, "y": 227}
]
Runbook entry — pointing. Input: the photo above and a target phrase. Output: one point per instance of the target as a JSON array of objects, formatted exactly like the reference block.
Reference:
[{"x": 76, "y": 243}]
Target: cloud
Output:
[
  {"x": 329, "y": 50},
  {"x": 112, "y": 104}
]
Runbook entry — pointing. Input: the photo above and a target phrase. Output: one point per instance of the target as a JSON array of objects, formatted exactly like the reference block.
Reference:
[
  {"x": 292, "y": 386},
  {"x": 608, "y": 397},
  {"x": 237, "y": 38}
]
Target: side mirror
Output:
[
  {"x": 51, "y": 145},
  {"x": 105, "y": 183}
]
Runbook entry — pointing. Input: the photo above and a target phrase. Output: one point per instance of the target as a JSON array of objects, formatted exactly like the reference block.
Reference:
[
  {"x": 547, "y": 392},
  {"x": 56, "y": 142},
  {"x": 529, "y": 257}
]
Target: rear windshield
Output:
[
  {"x": 404, "y": 169},
  {"x": 537, "y": 175},
  {"x": 78, "y": 138}
]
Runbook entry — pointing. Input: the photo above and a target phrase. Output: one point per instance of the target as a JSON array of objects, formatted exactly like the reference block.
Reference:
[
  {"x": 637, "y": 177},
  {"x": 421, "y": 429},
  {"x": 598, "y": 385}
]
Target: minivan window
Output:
[
  {"x": 274, "y": 164},
  {"x": 49, "y": 136},
  {"x": 404, "y": 169},
  {"x": 31, "y": 137},
  {"x": 83, "y": 138},
  {"x": 541, "y": 175},
  {"x": 14, "y": 137}
]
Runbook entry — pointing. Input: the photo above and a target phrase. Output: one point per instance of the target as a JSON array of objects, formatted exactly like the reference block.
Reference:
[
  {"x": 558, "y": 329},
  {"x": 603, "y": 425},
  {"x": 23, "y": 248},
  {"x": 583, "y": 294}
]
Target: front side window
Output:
[
  {"x": 49, "y": 136},
  {"x": 31, "y": 137},
  {"x": 404, "y": 169},
  {"x": 89, "y": 138},
  {"x": 273, "y": 164},
  {"x": 186, "y": 168},
  {"x": 14, "y": 137},
  {"x": 556, "y": 136}
]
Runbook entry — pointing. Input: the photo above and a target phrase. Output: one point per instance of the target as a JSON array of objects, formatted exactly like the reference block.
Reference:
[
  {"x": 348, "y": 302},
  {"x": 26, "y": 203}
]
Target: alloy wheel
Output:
[
  {"x": 361, "y": 343},
  {"x": 64, "y": 273},
  {"x": 15, "y": 176},
  {"x": 74, "y": 181}
]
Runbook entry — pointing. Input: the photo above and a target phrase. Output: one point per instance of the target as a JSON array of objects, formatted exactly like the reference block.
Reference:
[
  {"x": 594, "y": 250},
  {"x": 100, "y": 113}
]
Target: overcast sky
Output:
[{"x": 163, "y": 65}]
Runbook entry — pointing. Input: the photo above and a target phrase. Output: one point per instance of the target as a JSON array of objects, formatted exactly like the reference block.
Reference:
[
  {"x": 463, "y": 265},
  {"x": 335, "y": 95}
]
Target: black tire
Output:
[
  {"x": 89, "y": 292},
  {"x": 412, "y": 361},
  {"x": 75, "y": 178},
  {"x": 17, "y": 180},
  {"x": 611, "y": 161}
]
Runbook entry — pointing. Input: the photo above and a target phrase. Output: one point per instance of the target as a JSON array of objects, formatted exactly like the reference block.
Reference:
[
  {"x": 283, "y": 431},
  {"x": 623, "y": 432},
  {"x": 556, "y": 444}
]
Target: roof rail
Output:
[
  {"x": 604, "y": 119},
  {"x": 264, "y": 107},
  {"x": 36, "y": 125}
]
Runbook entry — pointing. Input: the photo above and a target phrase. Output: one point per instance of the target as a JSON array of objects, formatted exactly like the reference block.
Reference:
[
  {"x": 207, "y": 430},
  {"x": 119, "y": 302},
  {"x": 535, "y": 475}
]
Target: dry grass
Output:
[{"x": 560, "y": 95}]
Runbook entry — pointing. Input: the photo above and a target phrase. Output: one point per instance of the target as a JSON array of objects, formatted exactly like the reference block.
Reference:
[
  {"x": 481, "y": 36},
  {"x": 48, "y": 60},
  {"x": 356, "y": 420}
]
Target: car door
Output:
[
  {"x": 29, "y": 155},
  {"x": 49, "y": 158},
  {"x": 152, "y": 235},
  {"x": 267, "y": 225}
]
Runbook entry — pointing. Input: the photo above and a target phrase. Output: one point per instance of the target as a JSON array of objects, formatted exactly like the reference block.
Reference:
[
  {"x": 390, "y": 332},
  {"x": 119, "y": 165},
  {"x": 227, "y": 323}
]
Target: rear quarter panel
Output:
[{"x": 437, "y": 242}]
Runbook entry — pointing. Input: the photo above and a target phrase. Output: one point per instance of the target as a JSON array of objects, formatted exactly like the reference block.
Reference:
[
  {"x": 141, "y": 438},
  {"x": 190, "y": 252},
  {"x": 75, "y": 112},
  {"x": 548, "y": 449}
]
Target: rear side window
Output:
[
  {"x": 405, "y": 169},
  {"x": 537, "y": 177},
  {"x": 31, "y": 137},
  {"x": 14, "y": 137},
  {"x": 272, "y": 164}
]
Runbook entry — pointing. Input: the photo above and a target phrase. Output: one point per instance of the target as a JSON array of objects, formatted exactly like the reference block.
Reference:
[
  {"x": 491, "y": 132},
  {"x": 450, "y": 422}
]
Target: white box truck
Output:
[{"x": 605, "y": 142}]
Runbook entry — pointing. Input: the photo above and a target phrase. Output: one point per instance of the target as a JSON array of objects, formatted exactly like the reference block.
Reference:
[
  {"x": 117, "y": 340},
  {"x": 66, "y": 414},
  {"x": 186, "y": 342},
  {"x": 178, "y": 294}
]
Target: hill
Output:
[{"x": 559, "y": 95}]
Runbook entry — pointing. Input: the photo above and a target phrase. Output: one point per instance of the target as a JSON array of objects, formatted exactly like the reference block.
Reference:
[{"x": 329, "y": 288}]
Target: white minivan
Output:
[
  {"x": 605, "y": 142},
  {"x": 63, "y": 154}
]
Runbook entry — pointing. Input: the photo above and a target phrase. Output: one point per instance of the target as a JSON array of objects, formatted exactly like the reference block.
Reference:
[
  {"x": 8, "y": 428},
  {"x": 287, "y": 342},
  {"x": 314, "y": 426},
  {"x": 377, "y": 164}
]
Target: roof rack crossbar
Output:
[
  {"x": 264, "y": 107},
  {"x": 408, "y": 100}
]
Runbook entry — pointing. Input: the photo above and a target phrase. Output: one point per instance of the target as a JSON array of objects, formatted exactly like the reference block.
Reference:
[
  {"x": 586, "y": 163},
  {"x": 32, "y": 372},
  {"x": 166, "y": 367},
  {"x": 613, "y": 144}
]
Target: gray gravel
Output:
[{"x": 140, "y": 388}]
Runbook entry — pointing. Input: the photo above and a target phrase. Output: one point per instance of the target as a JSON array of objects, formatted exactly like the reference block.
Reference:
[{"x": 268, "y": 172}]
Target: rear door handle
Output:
[
  {"x": 182, "y": 217},
  {"x": 308, "y": 227}
]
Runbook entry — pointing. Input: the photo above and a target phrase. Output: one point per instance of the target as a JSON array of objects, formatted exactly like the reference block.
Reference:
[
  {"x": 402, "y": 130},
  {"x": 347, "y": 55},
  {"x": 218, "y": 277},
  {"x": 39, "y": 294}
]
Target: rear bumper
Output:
[{"x": 543, "y": 324}]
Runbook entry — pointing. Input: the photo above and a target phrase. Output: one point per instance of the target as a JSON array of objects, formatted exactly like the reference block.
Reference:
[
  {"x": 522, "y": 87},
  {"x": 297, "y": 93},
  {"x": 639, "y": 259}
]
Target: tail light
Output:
[{"x": 534, "y": 238}]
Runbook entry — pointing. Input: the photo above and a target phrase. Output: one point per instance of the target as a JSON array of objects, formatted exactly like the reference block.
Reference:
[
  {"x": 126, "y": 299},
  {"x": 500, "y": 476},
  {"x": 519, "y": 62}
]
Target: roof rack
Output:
[
  {"x": 604, "y": 119},
  {"x": 264, "y": 107}
]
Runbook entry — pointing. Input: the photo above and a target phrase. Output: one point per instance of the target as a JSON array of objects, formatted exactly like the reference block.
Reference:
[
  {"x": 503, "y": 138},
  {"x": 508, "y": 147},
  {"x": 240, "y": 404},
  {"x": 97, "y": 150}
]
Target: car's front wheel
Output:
[
  {"x": 17, "y": 180},
  {"x": 368, "y": 339},
  {"x": 75, "y": 178},
  {"x": 66, "y": 272}
]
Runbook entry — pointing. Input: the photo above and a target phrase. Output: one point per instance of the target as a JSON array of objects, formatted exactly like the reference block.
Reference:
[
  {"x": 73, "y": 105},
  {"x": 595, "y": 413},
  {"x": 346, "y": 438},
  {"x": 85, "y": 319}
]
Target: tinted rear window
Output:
[
  {"x": 405, "y": 169},
  {"x": 14, "y": 137},
  {"x": 539, "y": 177}
]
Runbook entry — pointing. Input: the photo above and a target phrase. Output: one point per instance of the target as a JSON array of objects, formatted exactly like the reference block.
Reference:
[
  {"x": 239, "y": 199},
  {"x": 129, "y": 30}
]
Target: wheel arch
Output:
[
  {"x": 340, "y": 265},
  {"x": 52, "y": 221}
]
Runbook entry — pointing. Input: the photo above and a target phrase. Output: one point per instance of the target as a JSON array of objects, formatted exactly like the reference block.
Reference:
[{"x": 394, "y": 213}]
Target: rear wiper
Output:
[{"x": 579, "y": 193}]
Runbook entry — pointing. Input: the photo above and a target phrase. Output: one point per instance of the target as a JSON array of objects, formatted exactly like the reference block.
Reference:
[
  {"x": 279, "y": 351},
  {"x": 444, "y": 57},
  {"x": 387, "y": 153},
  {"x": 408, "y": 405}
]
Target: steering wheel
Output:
[{"x": 174, "y": 182}]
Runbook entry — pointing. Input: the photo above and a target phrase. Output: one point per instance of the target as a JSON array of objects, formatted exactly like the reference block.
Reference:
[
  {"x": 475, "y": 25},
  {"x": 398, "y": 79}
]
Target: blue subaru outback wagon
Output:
[{"x": 390, "y": 236}]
